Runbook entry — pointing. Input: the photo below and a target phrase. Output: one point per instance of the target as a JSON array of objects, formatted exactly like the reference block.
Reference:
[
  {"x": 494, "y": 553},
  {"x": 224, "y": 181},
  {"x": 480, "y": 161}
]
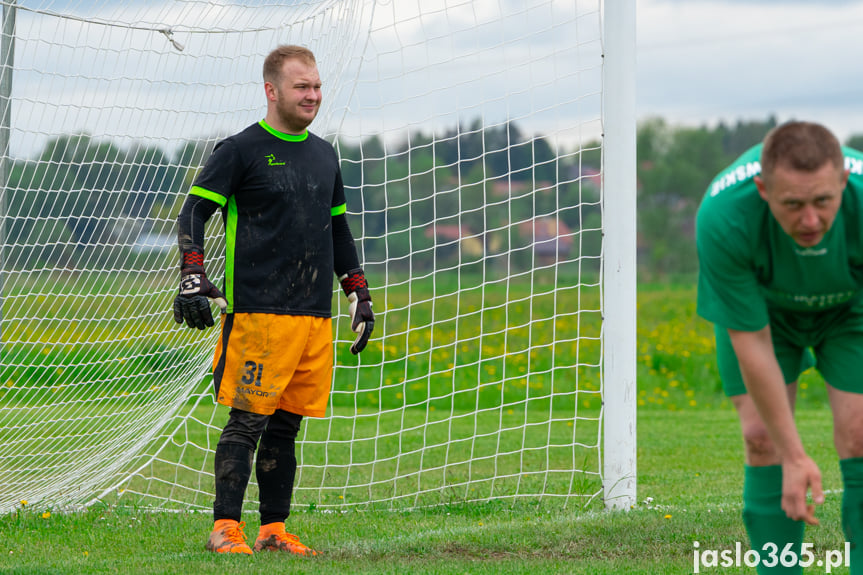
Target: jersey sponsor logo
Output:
[
  {"x": 749, "y": 170},
  {"x": 271, "y": 160},
  {"x": 808, "y": 252},
  {"x": 735, "y": 176},
  {"x": 820, "y": 301},
  {"x": 854, "y": 165}
]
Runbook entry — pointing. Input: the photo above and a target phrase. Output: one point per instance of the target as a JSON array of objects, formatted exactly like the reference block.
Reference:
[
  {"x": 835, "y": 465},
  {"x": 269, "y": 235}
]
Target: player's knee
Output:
[
  {"x": 243, "y": 428},
  {"x": 284, "y": 424},
  {"x": 849, "y": 442},
  {"x": 758, "y": 445}
]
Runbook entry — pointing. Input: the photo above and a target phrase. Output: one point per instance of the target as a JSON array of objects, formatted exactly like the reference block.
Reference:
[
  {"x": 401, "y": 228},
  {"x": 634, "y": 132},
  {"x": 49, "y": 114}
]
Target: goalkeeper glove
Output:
[
  {"x": 356, "y": 288},
  {"x": 191, "y": 303}
]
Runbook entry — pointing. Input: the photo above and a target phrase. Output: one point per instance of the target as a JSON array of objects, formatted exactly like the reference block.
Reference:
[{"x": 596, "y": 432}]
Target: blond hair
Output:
[{"x": 275, "y": 59}]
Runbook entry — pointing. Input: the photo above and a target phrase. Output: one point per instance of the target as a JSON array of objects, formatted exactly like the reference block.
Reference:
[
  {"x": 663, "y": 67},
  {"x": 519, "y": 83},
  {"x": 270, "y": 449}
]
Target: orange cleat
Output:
[
  {"x": 228, "y": 537},
  {"x": 273, "y": 537}
]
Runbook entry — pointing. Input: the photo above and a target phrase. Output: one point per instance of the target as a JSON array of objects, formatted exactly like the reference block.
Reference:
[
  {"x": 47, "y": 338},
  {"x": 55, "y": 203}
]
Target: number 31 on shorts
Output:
[{"x": 253, "y": 373}]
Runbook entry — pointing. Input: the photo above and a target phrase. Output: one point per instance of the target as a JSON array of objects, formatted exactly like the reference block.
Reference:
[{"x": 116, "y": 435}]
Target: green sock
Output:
[
  {"x": 852, "y": 509},
  {"x": 764, "y": 519}
]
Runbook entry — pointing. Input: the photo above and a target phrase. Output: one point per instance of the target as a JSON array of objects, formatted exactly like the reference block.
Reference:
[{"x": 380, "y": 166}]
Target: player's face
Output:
[
  {"x": 296, "y": 95},
  {"x": 804, "y": 203}
]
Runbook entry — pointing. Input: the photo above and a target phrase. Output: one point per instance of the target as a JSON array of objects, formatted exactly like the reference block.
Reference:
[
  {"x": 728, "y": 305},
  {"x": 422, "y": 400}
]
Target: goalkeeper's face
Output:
[{"x": 296, "y": 95}]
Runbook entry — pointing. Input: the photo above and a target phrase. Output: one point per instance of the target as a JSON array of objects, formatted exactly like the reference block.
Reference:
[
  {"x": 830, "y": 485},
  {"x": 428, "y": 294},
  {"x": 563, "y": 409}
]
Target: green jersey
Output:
[{"x": 749, "y": 268}]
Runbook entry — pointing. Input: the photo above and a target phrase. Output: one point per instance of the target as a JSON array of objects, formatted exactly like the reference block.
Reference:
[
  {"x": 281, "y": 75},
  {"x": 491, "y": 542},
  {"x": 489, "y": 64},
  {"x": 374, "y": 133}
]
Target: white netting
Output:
[{"x": 463, "y": 128}]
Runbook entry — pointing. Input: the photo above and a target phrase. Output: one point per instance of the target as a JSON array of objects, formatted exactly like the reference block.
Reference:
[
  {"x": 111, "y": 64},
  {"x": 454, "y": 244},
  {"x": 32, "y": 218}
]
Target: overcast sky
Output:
[
  {"x": 704, "y": 60},
  {"x": 698, "y": 62}
]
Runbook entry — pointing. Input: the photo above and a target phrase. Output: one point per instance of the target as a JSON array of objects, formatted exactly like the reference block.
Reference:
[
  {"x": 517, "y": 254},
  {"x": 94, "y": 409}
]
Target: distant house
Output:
[
  {"x": 552, "y": 239},
  {"x": 592, "y": 176},
  {"x": 450, "y": 239},
  {"x": 504, "y": 187}
]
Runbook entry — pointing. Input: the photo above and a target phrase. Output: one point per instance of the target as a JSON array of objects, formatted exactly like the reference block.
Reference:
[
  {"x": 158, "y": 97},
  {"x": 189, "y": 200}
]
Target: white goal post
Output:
[{"x": 488, "y": 154}]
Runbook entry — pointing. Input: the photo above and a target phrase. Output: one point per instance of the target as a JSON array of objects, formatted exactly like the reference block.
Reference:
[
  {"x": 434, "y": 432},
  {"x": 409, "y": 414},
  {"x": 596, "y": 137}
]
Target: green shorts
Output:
[{"x": 831, "y": 341}]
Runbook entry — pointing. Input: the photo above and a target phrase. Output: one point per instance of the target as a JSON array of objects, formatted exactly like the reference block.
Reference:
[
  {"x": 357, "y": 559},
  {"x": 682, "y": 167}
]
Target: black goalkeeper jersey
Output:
[{"x": 278, "y": 194}]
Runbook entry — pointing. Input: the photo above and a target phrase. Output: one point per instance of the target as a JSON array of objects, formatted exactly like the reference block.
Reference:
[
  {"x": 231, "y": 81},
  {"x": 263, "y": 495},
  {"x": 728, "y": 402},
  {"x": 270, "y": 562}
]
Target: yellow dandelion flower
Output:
[{"x": 46, "y": 515}]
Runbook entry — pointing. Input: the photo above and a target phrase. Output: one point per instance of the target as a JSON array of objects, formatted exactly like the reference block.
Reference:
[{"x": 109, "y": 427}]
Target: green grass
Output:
[
  {"x": 690, "y": 477},
  {"x": 689, "y": 470}
]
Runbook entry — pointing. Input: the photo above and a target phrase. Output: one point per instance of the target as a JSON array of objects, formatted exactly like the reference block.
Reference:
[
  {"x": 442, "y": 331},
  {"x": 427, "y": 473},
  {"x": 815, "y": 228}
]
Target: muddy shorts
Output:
[
  {"x": 831, "y": 341},
  {"x": 265, "y": 362}
]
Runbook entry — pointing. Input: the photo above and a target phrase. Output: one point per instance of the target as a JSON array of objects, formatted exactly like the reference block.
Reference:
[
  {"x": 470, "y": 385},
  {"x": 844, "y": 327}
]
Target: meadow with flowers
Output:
[{"x": 689, "y": 464}]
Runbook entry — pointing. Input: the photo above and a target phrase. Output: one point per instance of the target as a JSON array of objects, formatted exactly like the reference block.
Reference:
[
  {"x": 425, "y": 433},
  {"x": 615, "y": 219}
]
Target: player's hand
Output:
[
  {"x": 356, "y": 288},
  {"x": 191, "y": 303},
  {"x": 798, "y": 478}
]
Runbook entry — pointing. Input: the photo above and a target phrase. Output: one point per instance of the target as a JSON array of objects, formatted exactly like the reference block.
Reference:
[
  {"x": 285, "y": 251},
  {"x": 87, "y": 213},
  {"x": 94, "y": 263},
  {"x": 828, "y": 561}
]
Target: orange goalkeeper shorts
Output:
[{"x": 265, "y": 362}]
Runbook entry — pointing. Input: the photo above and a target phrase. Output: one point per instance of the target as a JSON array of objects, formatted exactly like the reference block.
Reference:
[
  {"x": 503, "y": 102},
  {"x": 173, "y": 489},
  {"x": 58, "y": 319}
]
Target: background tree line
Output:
[
  {"x": 477, "y": 195},
  {"x": 454, "y": 199},
  {"x": 675, "y": 166}
]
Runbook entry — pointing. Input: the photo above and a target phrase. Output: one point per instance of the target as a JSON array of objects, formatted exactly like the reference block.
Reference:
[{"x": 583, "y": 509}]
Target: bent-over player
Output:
[{"x": 780, "y": 246}]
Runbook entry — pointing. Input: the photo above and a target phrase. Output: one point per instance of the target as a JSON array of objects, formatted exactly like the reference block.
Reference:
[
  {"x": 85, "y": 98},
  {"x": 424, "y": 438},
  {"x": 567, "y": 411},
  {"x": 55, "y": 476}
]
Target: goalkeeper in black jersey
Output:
[{"x": 279, "y": 188}]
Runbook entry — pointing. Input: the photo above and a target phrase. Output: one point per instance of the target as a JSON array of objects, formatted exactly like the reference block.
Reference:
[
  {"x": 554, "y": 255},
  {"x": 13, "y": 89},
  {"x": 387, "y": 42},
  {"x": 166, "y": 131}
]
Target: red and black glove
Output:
[
  {"x": 191, "y": 303},
  {"x": 356, "y": 288}
]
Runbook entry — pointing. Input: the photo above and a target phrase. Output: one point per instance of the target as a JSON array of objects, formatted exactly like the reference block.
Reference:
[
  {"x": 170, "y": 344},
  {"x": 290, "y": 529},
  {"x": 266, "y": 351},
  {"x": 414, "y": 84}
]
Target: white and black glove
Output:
[
  {"x": 356, "y": 288},
  {"x": 191, "y": 304}
]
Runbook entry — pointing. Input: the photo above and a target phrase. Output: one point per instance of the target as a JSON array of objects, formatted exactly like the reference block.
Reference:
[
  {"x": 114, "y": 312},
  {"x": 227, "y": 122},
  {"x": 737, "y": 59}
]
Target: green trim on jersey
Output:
[
  {"x": 230, "y": 250},
  {"x": 338, "y": 210},
  {"x": 283, "y": 136},
  {"x": 208, "y": 195}
]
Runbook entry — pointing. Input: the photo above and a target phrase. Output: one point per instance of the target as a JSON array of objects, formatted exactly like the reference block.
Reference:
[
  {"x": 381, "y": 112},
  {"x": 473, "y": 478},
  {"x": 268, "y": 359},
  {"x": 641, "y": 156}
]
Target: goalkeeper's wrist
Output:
[
  {"x": 192, "y": 262},
  {"x": 355, "y": 282}
]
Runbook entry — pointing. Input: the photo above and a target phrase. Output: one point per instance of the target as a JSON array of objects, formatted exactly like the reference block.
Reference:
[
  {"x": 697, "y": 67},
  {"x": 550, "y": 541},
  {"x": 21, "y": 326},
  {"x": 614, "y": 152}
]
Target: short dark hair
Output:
[
  {"x": 802, "y": 146},
  {"x": 274, "y": 60}
]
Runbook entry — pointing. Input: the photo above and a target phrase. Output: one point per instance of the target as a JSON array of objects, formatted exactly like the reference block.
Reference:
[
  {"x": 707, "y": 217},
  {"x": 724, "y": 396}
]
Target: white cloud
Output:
[
  {"x": 703, "y": 61},
  {"x": 105, "y": 68},
  {"x": 426, "y": 65}
]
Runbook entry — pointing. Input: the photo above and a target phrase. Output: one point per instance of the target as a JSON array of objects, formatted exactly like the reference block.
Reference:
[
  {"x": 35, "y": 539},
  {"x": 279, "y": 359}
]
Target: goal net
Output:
[{"x": 471, "y": 139}]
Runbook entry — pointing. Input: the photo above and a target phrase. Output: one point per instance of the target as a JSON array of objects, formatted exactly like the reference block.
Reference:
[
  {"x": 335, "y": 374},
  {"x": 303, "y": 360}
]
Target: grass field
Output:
[{"x": 689, "y": 485}]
